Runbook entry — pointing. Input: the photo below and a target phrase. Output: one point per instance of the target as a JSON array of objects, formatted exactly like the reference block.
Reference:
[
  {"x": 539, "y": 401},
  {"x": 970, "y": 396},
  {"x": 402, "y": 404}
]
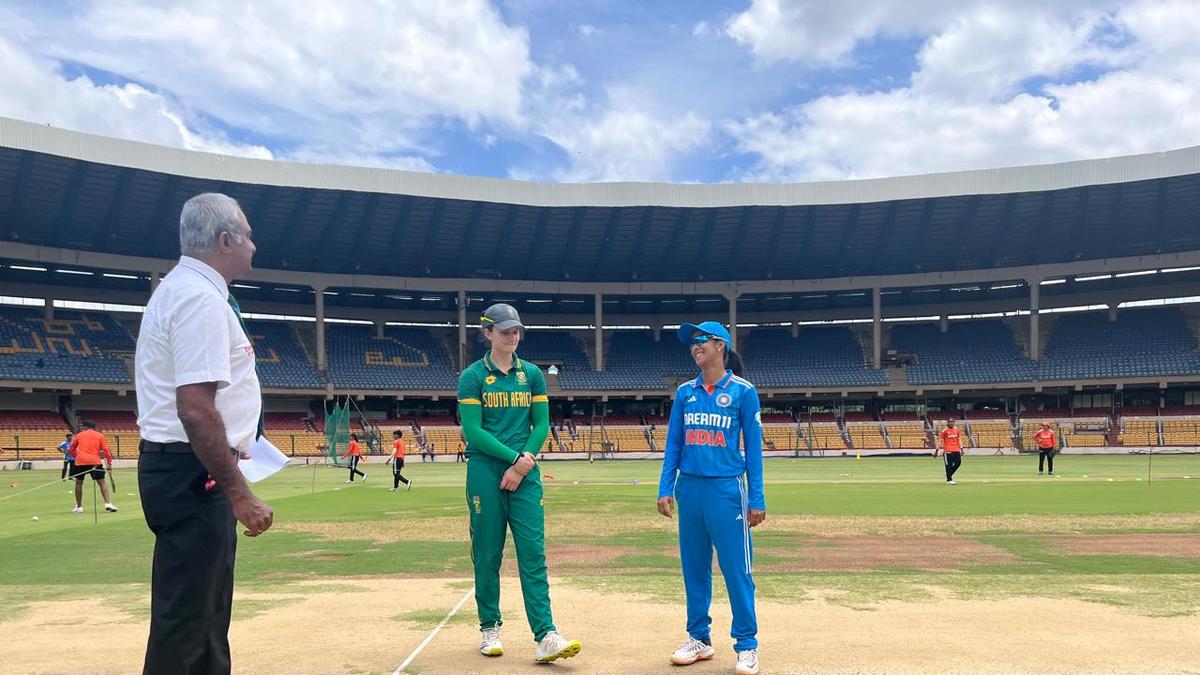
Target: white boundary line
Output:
[{"x": 424, "y": 643}]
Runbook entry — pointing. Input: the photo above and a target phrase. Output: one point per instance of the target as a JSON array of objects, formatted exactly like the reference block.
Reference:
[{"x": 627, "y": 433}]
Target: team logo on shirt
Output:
[
  {"x": 521, "y": 379},
  {"x": 724, "y": 400},
  {"x": 490, "y": 379},
  {"x": 475, "y": 504}
]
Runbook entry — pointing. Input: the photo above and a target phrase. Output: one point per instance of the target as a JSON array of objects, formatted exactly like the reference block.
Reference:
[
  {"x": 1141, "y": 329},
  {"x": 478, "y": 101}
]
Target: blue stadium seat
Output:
[
  {"x": 545, "y": 347},
  {"x": 1140, "y": 343},
  {"x": 820, "y": 357},
  {"x": 72, "y": 347},
  {"x": 404, "y": 358},
  {"x": 969, "y": 352},
  {"x": 280, "y": 358}
]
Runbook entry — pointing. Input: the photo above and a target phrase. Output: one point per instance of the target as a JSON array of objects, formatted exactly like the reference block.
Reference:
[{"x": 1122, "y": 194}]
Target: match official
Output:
[{"x": 199, "y": 405}]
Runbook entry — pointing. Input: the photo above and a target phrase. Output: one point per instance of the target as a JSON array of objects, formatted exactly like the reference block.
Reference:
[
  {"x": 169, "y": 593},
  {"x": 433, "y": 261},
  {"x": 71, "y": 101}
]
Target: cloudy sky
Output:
[{"x": 613, "y": 90}]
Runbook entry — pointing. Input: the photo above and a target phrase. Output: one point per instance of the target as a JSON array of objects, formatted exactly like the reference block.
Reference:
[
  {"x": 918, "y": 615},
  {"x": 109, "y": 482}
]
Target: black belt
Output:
[{"x": 176, "y": 448}]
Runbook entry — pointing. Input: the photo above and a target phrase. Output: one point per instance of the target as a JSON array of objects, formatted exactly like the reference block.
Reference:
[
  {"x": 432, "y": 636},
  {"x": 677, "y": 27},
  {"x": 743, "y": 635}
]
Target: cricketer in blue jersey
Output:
[{"x": 713, "y": 468}]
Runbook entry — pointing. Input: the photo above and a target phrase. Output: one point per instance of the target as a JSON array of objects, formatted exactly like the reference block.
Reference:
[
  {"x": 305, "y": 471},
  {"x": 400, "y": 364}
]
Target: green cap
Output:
[{"x": 501, "y": 316}]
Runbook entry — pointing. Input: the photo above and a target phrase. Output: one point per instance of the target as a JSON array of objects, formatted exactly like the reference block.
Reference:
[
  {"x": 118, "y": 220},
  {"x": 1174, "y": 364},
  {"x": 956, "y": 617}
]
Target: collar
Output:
[
  {"x": 487, "y": 363},
  {"x": 205, "y": 270},
  {"x": 721, "y": 383}
]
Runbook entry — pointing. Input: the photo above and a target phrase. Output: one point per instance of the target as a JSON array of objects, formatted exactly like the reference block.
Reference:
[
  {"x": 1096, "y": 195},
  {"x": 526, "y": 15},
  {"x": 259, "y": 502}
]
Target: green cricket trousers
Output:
[{"x": 493, "y": 511}]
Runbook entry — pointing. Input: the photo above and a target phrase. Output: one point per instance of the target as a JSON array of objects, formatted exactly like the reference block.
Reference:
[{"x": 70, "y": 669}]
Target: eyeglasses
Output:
[{"x": 701, "y": 339}]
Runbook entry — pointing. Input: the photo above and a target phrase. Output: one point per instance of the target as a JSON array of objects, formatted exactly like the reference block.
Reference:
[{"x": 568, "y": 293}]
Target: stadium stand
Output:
[
  {"x": 31, "y": 434},
  {"x": 781, "y": 437},
  {"x": 546, "y": 347},
  {"x": 71, "y": 347},
  {"x": 281, "y": 360},
  {"x": 820, "y": 357},
  {"x": 1181, "y": 431},
  {"x": 405, "y": 358},
  {"x": 825, "y": 436},
  {"x": 1138, "y": 431},
  {"x": 865, "y": 435},
  {"x": 1141, "y": 342},
  {"x": 990, "y": 434},
  {"x": 906, "y": 435},
  {"x": 109, "y": 421},
  {"x": 969, "y": 352}
]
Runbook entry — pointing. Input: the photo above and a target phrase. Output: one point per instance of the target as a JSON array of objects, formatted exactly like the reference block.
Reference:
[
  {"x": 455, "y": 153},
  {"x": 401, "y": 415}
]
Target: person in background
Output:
[
  {"x": 397, "y": 460},
  {"x": 88, "y": 448},
  {"x": 68, "y": 458},
  {"x": 1047, "y": 444},
  {"x": 951, "y": 439},
  {"x": 354, "y": 452}
]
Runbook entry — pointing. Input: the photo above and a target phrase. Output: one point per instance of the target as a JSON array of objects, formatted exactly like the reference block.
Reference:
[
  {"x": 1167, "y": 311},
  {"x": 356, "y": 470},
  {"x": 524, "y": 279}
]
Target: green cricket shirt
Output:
[{"x": 507, "y": 399}]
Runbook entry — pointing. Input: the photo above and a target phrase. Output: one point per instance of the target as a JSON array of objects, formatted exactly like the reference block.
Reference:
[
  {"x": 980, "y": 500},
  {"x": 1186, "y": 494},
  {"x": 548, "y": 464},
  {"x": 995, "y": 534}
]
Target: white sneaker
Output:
[
  {"x": 77, "y": 509},
  {"x": 692, "y": 651},
  {"x": 349, "y": 481},
  {"x": 554, "y": 646},
  {"x": 364, "y": 477},
  {"x": 111, "y": 508},
  {"x": 409, "y": 486},
  {"x": 490, "y": 644},
  {"x": 953, "y": 483},
  {"x": 747, "y": 663}
]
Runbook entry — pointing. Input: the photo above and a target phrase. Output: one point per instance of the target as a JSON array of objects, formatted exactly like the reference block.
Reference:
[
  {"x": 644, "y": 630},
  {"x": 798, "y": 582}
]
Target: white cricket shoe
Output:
[
  {"x": 111, "y": 508},
  {"x": 747, "y": 662},
  {"x": 77, "y": 509},
  {"x": 554, "y": 646},
  {"x": 490, "y": 644},
  {"x": 692, "y": 651}
]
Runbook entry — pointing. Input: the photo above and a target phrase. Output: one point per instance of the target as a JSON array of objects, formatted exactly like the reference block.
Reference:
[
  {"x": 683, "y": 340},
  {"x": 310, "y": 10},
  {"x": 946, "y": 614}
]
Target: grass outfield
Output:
[{"x": 854, "y": 533}]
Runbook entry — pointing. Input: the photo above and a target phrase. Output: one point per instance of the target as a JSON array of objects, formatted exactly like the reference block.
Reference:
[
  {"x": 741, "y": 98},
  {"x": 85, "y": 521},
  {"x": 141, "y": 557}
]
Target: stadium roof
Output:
[{"x": 77, "y": 191}]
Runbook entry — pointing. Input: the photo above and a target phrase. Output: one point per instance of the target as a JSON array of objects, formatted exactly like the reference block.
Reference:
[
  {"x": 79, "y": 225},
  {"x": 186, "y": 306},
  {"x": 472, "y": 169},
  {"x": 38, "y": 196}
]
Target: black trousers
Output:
[
  {"x": 397, "y": 467},
  {"x": 1047, "y": 457},
  {"x": 68, "y": 467},
  {"x": 195, "y": 541},
  {"x": 953, "y": 461},
  {"x": 354, "y": 467}
]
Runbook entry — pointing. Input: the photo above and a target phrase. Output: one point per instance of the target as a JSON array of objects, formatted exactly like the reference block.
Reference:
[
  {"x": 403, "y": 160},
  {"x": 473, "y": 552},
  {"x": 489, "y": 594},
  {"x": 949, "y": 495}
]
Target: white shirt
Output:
[{"x": 190, "y": 335}]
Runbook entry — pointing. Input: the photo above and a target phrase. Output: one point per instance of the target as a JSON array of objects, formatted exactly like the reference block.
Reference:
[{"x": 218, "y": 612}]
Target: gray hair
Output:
[{"x": 204, "y": 218}]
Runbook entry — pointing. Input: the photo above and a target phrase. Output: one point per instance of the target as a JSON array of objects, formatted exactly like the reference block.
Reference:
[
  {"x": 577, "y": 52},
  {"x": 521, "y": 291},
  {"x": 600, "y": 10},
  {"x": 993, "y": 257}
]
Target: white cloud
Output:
[
  {"x": 370, "y": 83},
  {"x": 823, "y": 33},
  {"x": 624, "y": 144},
  {"x": 965, "y": 108},
  {"x": 36, "y": 90}
]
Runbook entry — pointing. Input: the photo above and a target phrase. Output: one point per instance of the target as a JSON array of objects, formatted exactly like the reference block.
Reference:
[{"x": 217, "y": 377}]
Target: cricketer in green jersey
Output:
[{"x": 505, "y": 415}]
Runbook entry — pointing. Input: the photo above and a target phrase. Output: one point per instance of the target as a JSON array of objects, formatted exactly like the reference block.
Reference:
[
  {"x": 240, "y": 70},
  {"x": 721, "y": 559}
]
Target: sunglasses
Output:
[{"x": 701, "y": 339}]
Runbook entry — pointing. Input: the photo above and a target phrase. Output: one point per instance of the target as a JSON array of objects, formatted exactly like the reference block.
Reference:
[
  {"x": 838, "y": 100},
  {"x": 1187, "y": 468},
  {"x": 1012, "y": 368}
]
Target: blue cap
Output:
[{"x": 713, "y": 328}]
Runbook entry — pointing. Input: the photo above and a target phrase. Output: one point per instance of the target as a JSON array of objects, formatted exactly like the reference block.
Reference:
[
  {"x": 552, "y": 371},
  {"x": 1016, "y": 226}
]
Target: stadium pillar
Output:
[
  {"x": 733, "y": 298},
  {"x": 462, "y": 329},
  {"x": 1112, "y": 313},
  {"x": 379, "y": 328},
  {"x": 657, "y": 330},
  {"x": 1034, "y": 299},
  {"x": 877, "y": 325},
  {"x": 49, "y": 313},
  {"x": 320, "y": 295},
  {"x": 599, "y": 332},
  {"x": 795, "y": 329},
  {"x": 154, "y": 279},
  {"x": 944, "y": 323}
]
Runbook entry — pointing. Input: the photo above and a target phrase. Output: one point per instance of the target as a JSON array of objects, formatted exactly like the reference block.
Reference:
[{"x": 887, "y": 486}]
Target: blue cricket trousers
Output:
[{"x": 712, "y": 512}]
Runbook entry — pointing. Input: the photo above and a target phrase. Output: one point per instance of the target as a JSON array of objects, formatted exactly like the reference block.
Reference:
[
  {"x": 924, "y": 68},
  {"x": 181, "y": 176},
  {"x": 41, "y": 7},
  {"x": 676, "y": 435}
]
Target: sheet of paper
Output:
[{"x": 265, "y": 459}]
